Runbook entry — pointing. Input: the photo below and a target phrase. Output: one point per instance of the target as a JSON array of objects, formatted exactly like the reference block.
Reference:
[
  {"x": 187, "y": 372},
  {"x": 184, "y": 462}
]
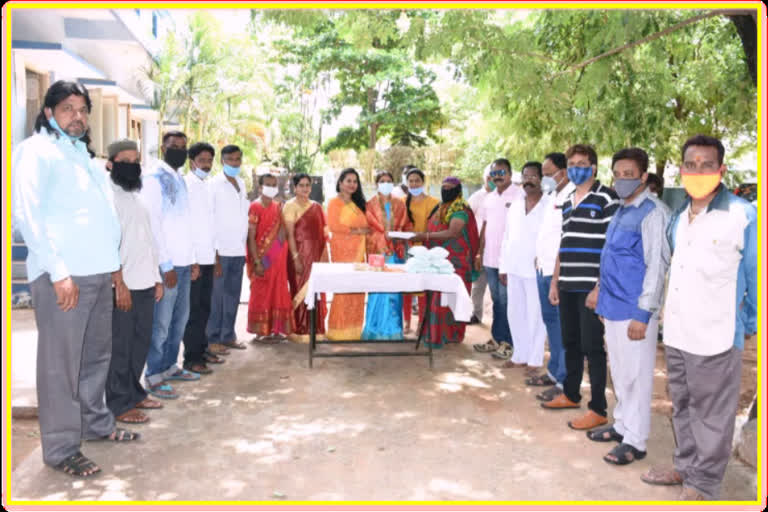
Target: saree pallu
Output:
[
  {"x": 384, "y": 313},
  {"x": 440, "y": 327},
  {"x": 269, "y": 307},
  {"x": 309, "y": 233},
  {"x": 345, "y": 321}
]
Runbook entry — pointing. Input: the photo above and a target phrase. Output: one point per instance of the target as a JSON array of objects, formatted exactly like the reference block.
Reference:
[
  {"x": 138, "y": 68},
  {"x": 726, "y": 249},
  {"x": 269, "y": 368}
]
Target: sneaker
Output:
[
  {"x": 488, "y": 346},
  {"x": 504, "y": 351}
]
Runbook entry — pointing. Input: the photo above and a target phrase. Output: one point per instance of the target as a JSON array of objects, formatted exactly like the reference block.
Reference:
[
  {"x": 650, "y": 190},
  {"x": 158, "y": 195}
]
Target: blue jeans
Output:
[
  {"x": 225, "y": 300},
  {"x": 500, "y": 324},
  {"x": 171, "y": 315},
  {"x": 551, "y": 316}
]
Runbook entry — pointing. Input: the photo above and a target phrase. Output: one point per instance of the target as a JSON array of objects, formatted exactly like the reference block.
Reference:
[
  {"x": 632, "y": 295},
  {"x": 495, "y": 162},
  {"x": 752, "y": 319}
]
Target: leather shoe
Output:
[
  {"x": 588, "y": 421},
  {"x": 560, "y": 402}
]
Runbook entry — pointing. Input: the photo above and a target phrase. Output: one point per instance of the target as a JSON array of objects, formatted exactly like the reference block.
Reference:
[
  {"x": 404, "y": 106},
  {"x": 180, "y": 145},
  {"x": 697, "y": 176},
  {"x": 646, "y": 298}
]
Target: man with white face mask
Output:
[
  {"x": 229, "y": 204},
  {"x": 556, "y": 188}
]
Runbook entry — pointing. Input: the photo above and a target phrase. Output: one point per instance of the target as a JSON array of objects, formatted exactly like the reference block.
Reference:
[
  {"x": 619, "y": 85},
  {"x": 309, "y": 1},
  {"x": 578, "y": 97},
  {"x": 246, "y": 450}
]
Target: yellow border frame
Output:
[{"x": 627, "y": 505}]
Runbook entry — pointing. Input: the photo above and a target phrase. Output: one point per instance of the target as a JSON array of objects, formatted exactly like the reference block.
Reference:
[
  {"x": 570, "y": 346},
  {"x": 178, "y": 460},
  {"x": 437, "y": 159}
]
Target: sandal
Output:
[
  {"x": 623, "y": 454},
  {"x": 199, "y": 368},
  {"x": 540, "y": 380},
  {"x": 235, "y": 344},
  {"x": 218, "y": 349},
  {"x": 549, "y": 394},
  {"x": 148, "y": 403},
  {"x": 265, "y": 340},
  {"x": 504, "y": 351},
  {"x": 183, "y": 375},
  {"x": 120, "y": 435},
  {"x": 78, "y": 465},
  {"x": 212, "y": 358},
  {"x": 488, "y": 346},
  {"x": 164, "y": 391},
  {"x": 132, "y": 416},
  {"x": 662, "y": 476},
  {"x": 605, "y": 435}
]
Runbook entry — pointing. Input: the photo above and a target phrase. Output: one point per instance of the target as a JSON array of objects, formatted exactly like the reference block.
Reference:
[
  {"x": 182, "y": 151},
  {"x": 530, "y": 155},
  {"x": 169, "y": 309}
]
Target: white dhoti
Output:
[
  {"x": 632, "y": 364},
  {"x": 525, "y": 322}
]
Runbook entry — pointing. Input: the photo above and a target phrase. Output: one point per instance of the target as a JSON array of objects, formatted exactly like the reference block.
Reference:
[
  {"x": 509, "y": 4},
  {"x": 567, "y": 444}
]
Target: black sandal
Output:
[
  {"x": 625, "y": 454},
  {"x": 120, "y": 435},
  {"x": 605, "y": 435},
  {"x": 540, "y": 380},
  {"x": 78, "y": 465}
]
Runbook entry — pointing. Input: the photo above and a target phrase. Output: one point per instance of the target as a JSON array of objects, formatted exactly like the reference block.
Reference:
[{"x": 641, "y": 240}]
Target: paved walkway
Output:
[{"x": 266, "y": 427}]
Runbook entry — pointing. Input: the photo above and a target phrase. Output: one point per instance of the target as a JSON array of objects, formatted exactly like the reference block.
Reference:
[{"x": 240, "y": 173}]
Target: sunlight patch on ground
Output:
[
  {"x": 349, "y": 394},
  {"x": 457, "y": 489},
  {"x": 253, "y": 448},
  {"x": 453, "y": 382},
  {"x": 404, "y": 415},
  {"x": 285, "y": 391},
  {"x": 517, "y": 434},
  {"x": 252, "y": 399},
  {"x": 326, "y": 426}
]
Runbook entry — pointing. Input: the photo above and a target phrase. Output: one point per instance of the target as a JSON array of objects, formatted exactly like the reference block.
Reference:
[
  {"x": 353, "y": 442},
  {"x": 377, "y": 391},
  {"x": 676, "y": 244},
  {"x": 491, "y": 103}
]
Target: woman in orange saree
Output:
[
  {"x": 269, "y": 308},
  {"x": 384, "y": 313},
  {"x": 348, "y": 226},
  {"x": 305, "y": 224}
]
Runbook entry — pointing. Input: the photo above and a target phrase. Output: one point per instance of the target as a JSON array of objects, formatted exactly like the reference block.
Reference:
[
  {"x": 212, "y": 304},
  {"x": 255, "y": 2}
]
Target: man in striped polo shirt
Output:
[{"x": 586, "y": 215}]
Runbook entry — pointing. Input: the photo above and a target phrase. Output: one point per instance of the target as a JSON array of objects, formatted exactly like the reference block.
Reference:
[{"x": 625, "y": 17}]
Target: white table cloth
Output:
[{"x": 343, "y": 278}]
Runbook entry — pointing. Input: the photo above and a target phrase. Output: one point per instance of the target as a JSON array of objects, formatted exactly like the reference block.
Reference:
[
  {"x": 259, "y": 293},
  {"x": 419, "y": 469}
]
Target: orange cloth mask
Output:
[{"x": 700, "y": 185}]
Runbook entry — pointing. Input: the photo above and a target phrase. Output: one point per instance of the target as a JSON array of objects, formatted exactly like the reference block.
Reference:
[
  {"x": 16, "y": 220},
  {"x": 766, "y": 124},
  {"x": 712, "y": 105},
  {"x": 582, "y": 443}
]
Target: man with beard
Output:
[
  {"x": 137, "y": 288},
  {"x": 518, "y": 273},
  {"x": 62, "y": 204},
  {"x": 165, "y": 194}
]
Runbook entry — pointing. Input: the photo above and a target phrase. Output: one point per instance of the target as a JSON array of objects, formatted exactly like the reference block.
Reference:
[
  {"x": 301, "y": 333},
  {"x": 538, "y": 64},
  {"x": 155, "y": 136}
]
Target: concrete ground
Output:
[{"x": 264, "y": 426}]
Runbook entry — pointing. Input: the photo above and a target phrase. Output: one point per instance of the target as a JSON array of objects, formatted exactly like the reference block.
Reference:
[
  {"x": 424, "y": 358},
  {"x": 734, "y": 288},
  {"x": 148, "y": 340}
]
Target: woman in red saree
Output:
[
  {"x": 305, "y": 224},
  {"x": 270, "y": 312},
  {"x": 451, "y": 226}
]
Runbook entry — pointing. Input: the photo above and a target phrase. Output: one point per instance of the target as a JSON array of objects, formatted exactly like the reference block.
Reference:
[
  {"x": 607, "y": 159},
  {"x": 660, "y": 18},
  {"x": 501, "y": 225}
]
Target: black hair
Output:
[
  {"x": 536, "y": 165},
  {"x": 558, "y": 159},
  {"x": 264, "y": 176},
  {"x": 704, "y": 140},
  {"x": 504, "y": 162},
  {"x": 637, "y": 155},
  {"x": 230, "y": 148},
  {"x": 58, "y": 92},
  {"x": 655, "y": 179},
  {"x": 173, "y": 133},
  {"x": 418, "y": 172},
  {"x": 297, "y": 177},
  {"x": 583, "y": 149},
  {"x": 357, "y": 197},
  {"x": 380, "y": 174},
  {"x": 200, "y": 147}
]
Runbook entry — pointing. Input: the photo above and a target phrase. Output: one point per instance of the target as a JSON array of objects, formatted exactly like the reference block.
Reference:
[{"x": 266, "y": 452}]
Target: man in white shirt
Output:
[
  {"x": 518, "y": 273},
  {"x": 557, "y": 187},
  {"x": 201, "y": 156},
  {"x": 136, "y": 290},
  {"x": 479, "y": 286},
  {"x": 230, "y": 205},
  {"x": 164, "y": 192},
  {"x": 494, "y": 215}
]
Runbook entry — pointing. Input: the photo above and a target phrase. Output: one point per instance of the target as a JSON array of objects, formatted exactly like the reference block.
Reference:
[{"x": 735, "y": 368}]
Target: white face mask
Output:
[
  {"x": 269, "y": 192},
  {"x": 386, "y": 188}
]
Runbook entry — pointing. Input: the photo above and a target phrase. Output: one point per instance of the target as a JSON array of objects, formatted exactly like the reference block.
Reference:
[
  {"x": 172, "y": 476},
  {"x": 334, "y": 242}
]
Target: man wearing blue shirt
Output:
[
  {"x": 633, "y": 266},
  {"x": 62, "y": 204},
  {"x": 711, "y": 305}
]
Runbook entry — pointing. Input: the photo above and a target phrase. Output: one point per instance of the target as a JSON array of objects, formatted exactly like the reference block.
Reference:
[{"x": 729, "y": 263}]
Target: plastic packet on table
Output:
[
  {"x": 436, "y": 254},
  {"x": 418, "y": 251}
]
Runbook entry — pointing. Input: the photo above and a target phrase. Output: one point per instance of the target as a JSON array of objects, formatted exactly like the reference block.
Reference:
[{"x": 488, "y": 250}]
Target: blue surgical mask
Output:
[
  {"x": 200, "y": 174},
  {"x": 385, "y": 188},
  {"x": 416, "y": 191},
  {"x": 56, "y": 126},
  {"x": 231, "y": 171},
  {"x": 625, "y": 188},
  {"x": 579, "y": 175}
]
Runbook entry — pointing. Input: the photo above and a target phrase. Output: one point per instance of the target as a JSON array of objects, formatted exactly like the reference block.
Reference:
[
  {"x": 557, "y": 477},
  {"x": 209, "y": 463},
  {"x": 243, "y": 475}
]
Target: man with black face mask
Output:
[
  {"x": 137, "y": 288},
  {"x": 165, "y": 194}
]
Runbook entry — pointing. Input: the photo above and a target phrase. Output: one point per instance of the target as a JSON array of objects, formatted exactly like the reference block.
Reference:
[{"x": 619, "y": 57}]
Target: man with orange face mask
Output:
[{"x": 713, "y": 238}]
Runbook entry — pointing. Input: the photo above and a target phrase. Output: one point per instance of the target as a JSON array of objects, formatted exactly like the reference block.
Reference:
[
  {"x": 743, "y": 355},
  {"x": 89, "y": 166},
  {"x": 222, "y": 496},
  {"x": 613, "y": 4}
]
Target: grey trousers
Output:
[
  {"x": 73, "y": 353},
  {"x": 478, "y": 295},
  {"x": 705, "y": 395}
]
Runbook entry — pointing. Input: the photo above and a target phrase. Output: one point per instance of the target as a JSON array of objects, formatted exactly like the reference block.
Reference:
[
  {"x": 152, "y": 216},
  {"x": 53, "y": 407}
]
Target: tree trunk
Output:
[
  {"x": 747, "y": 30},
  {"x": 660, "y": 169},
  {"x": 373, "y": 127}
]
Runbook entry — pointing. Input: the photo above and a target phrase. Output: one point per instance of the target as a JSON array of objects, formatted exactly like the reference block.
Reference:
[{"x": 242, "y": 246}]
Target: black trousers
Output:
[
  {"x": 131, "y": 337},
  {"x": 195, "y": 340},
  {"x": 583, "y": 337}
]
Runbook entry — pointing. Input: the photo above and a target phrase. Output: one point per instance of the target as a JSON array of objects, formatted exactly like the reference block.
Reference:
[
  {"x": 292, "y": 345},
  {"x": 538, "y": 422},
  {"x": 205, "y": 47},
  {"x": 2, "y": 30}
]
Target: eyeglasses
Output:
[{"x": 497, "y": 173}]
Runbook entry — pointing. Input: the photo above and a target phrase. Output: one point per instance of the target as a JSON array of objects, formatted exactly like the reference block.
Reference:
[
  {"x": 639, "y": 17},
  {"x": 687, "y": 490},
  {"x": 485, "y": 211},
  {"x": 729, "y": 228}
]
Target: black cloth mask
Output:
[
  {"x": 449, "y": 194},
  {"x": 175, "y": 157},
  {"x": 126, "y": 175}
]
